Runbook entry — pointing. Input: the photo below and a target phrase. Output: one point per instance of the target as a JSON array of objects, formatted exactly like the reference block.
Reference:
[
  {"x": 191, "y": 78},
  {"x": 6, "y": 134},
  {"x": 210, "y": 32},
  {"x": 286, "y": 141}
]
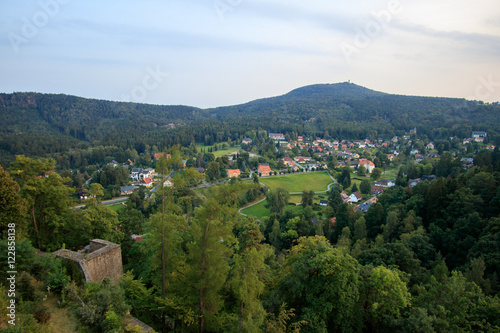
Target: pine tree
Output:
[
  {"x": 248, "y": 275},
  {"x": 209, "y": 248}
]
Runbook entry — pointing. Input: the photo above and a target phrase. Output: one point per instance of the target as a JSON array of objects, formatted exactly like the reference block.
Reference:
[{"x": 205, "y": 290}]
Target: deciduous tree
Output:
[
  {"x": 323, "y": 283},
  {"x": 48, "y": 199},
  {"x": 277, "y": 199},
  {"x": 12, "y": 207}
]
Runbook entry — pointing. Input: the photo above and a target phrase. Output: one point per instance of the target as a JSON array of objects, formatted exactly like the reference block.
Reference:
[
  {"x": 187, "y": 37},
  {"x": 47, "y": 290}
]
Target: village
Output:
[{"x": 376, "y": 161}]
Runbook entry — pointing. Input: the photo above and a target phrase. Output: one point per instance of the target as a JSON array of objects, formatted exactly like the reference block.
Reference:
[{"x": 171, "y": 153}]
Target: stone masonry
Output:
[{"x": 99, "y": 260}]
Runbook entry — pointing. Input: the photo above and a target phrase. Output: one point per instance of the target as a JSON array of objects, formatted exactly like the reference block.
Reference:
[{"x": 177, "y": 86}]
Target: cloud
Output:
[
  {"x": 493, "y": 22},
  {"x": 485, "y": 42},
  {"x": 260, "y": 47}
]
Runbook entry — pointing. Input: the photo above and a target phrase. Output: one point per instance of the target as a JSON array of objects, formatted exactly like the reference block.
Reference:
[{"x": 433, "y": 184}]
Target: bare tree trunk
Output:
[
  {"x": 241, "y": 307},
  {"x": 241, "y": 317},
  {"x": 163, "y": 273},
  {"x": 33, "y": 217},
  {"x": 203, "y": 275},
  {"x": 37, "y": 232}
]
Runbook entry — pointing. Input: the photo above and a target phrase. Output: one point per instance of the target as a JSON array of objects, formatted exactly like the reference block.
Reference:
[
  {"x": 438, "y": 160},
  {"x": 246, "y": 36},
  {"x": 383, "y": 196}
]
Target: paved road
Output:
[
  {"x": 253, "y": 204},
  {"x": 107, "y": 202},
  {"x": 158, "y": 186}
]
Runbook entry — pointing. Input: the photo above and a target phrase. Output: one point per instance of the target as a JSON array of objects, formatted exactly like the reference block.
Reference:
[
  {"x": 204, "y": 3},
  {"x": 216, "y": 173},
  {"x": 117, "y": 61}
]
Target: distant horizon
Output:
[
  {"x": 242, "y": 103},
  {"x": 220, "y": 52}
]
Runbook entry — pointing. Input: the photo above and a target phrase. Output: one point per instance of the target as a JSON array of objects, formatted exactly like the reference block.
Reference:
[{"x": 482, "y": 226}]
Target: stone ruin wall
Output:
[{"x": 103, "y": 259}]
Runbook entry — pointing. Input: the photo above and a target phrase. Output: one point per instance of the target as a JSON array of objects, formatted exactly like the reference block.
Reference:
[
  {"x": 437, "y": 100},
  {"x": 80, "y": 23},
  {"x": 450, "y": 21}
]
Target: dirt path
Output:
[
  {"x": 253, "y": 204},
  {"x": 61, "y": 319}
]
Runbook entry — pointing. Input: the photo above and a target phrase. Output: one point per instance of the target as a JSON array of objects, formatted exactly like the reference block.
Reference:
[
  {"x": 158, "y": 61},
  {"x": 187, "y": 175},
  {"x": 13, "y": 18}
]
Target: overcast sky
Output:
[{"x": 209, "y": 53}]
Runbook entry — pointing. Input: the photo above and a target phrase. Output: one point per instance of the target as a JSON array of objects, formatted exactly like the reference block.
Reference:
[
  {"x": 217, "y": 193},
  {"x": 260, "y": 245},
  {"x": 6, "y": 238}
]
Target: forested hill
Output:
[
  {"x": 346, "y": 109},
  {"x": 39, "y": 124},
  {"x": 81, "y": 118},
  {"x": 49, "y": 123}
]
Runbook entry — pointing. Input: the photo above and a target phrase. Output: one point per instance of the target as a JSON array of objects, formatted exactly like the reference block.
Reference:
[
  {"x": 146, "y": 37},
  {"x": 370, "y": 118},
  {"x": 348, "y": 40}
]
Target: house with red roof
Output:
[
  {"x": 302, "y": 159},
  {"x": 147, "y": 181},
  {"x": 369, "y": 165},
  {"x": 288, "y": 161},
  {"x": 233, "y": 173},
  {"x": 158, "y": 155},
  {"x": 377, "y": 189},
  {"x": 277, "y": 136},
  {"x": 345, "y": 198},
  {"x": 264, "y": 170}
]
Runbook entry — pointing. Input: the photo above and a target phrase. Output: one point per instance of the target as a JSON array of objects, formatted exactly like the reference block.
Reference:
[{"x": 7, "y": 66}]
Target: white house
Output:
[
  {"x": 479, "y": 134},
  {"x": 369, "y": 165},
  {"x": 277, "y": 136},
  {"x": 355, "y": 197}
]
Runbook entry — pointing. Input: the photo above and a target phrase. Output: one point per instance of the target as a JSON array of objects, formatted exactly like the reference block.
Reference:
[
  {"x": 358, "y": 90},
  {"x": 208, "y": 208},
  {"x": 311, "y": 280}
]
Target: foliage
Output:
[
  {"x": 323, "y": 283},
  {"x": 103, "y": 306},
  {"x": 277, "y": 199},
  {"x": 248, "y": 275},
  {"x": 307, "y": 198},
  {"x": 47, "y": 196},
  {"x": 386, "y": 295},
  {"x": 221, "y": 273},
  {"x": 206, "y": 269},
  {"x": 344, "y": 177},
  {"x": 12, "y": 207},
  {"x": 39, "y": 124},
  {"x": 376, "y": 173},
  {"x": 281, "y": 323}
]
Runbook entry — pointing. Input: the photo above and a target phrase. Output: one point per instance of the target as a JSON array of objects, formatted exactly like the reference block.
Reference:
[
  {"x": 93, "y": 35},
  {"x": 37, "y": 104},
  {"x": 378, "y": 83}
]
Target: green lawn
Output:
[
  {"x": 311, "y": 181},
  {"x": 259, "y": 210},
  {"x": 115, "y": 207},
  {"x": 218, "y": 153},
  {"x": 355, "y": 179},
  {"x": 390, "y": 173},
  {"x": 296, "y": 198}
]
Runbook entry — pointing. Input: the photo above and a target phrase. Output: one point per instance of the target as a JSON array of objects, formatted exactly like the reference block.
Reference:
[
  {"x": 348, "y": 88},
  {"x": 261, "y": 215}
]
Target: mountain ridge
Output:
[{"x": 54, "y": 123}]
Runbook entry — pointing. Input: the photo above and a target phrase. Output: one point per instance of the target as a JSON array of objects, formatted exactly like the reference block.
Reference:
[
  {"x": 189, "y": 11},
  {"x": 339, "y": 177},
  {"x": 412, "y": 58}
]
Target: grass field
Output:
[
  {"x": 218, "y": 153},
  {"x": 390, "y": 174},
  {"x": 311, "y": 181},
  {"x": 259, "y": 210},
  {"x": 115, "y": 207},
  {"x": 355, "y": 179},
  {"x": 296, "y": 198}
]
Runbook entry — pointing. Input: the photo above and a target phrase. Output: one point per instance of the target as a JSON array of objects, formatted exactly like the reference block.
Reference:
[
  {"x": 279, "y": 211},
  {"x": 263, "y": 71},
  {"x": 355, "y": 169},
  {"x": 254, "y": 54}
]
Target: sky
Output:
[{"x": 209, "y": 53}]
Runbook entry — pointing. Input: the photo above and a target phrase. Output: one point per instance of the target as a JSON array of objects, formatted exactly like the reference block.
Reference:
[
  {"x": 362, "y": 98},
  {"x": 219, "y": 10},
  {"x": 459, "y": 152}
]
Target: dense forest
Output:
[
  {"x": 422, "y": 259},
  {"x": 42, "y": 125}
]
